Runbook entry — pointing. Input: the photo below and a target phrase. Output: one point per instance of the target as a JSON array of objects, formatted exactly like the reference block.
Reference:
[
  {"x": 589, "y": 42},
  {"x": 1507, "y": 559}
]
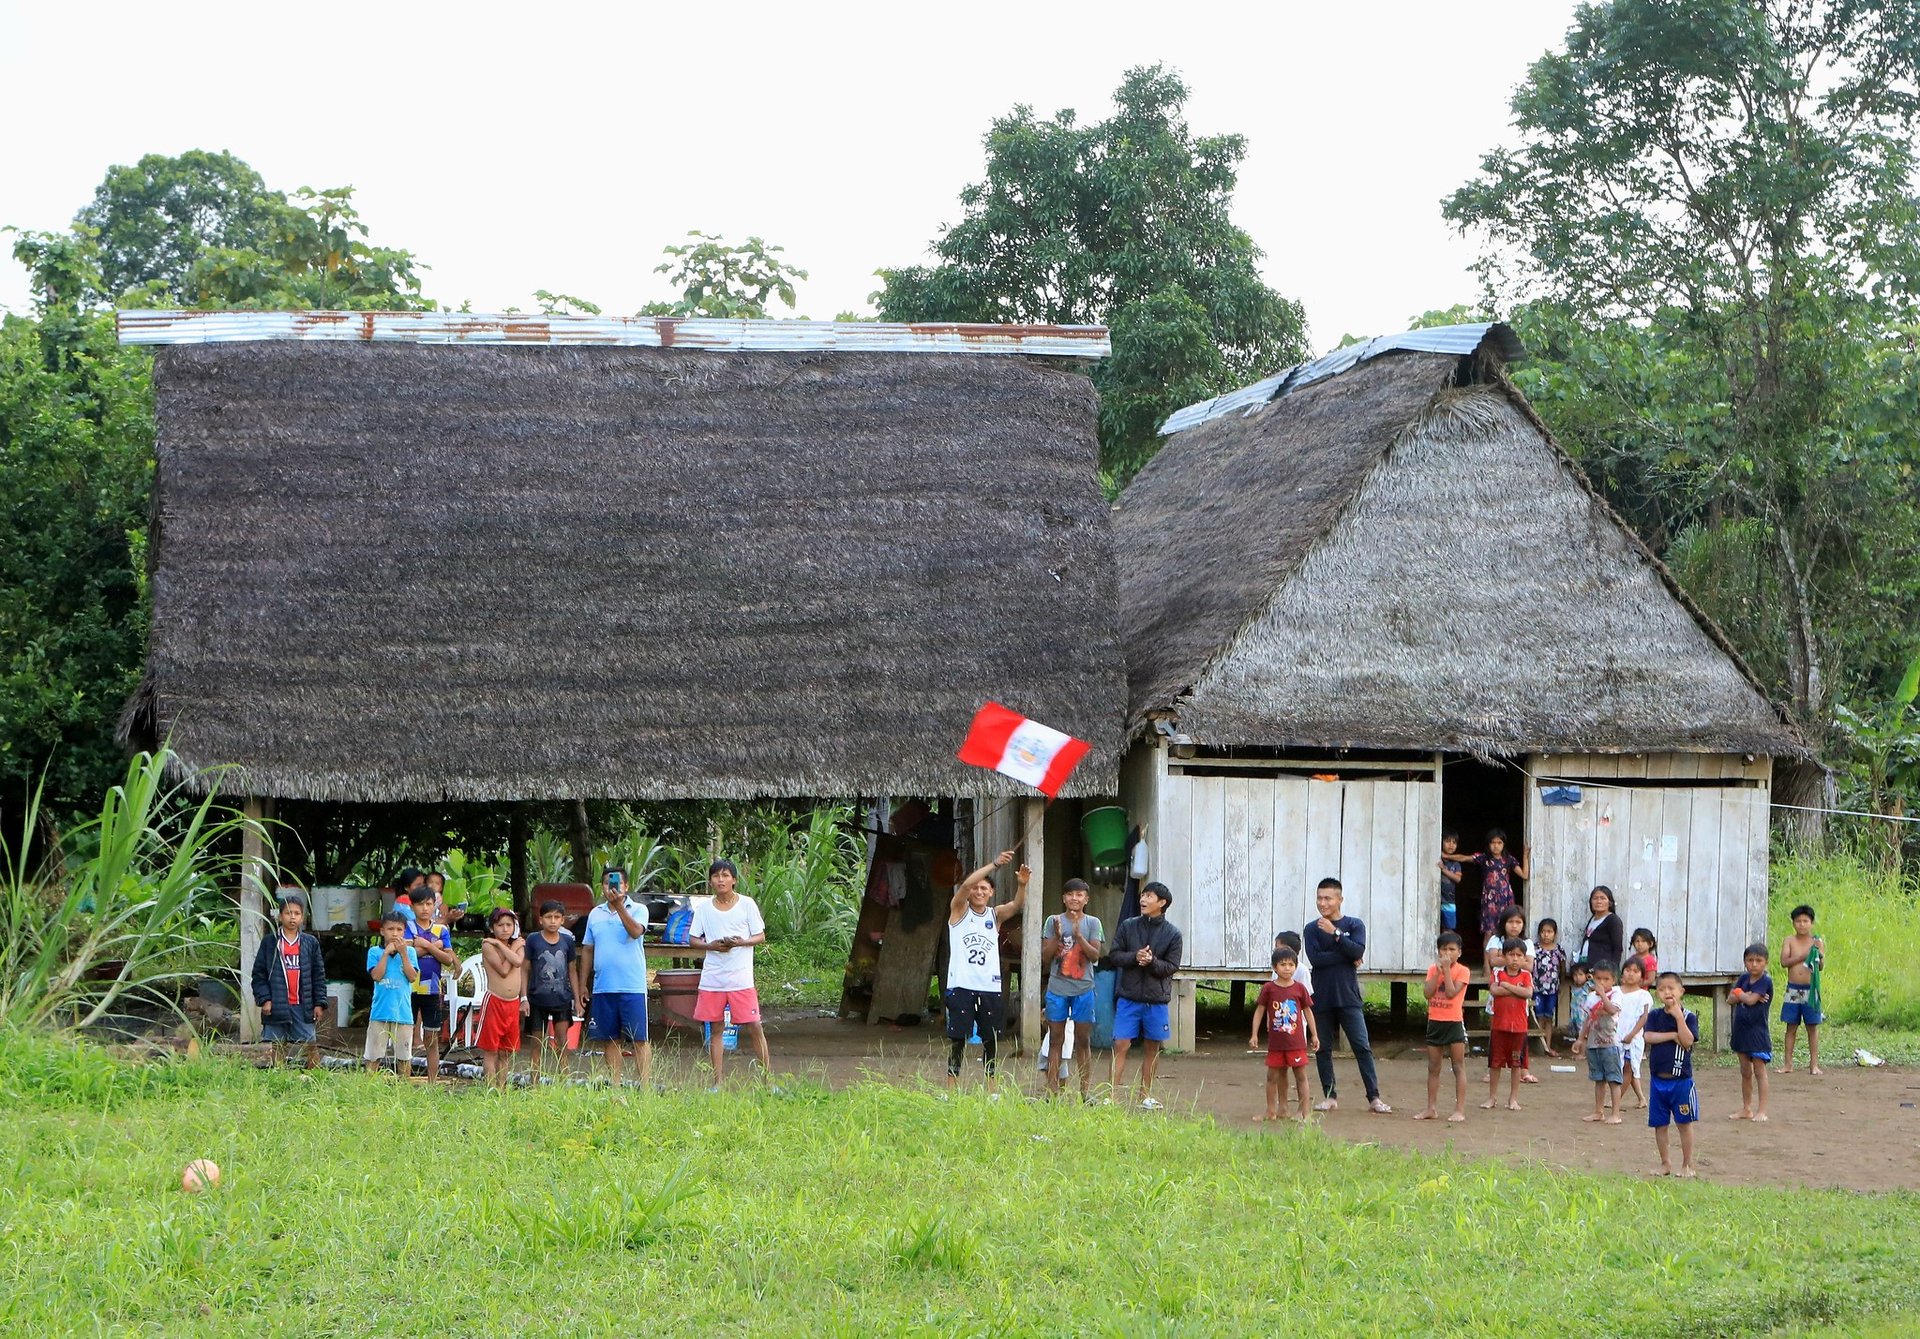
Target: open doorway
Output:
[{"x": 1477, "y": 798}]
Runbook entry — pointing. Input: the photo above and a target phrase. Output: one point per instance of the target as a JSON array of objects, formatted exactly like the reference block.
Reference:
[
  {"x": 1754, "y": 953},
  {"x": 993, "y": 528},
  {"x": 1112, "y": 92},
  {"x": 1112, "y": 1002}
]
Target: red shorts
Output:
[
  {"x": 1286, "y": 1059},
  {"x": 712, "y": 1004},
  {"x": 1507, "y": 1050},
  {"x": 500, "y": 1025}
]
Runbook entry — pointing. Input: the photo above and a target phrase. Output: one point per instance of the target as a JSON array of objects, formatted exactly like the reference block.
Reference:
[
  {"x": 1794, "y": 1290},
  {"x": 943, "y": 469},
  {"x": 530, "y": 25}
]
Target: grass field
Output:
[{"x": 356, "y": 1205}]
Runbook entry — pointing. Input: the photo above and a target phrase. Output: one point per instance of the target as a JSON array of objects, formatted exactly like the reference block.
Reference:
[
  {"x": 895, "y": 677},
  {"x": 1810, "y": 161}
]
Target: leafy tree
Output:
[
  {"x": 1124, "y": 222},
  {"x": 1711, "y": 207},
  {"x": 716, "y": 279},
  {"x": 155, "y": 218}
]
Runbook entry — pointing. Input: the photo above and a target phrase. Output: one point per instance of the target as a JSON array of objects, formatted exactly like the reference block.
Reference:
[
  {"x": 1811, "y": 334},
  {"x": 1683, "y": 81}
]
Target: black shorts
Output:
[
  {"x": 540, "y": 1013},
  {"x": 968, "y": 1009},
  {"x": 426, "y": 1011}
]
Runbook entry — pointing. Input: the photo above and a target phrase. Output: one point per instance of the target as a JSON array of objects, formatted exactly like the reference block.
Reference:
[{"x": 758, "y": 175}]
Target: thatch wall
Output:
[
  {"x": 395, "y": 573},
  {"x": 1438, "y": 576}
]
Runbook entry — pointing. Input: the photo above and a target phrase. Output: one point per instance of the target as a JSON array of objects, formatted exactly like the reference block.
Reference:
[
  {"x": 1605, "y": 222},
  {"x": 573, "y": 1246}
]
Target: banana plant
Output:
[{"x": 1887, "y": 742}]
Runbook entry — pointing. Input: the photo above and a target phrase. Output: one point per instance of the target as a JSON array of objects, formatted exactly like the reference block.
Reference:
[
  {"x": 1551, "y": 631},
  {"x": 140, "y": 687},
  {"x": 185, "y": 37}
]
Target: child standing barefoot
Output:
[
  {"x": 504, "y": 955},
  {"x": 1512, "y": 989},
  {"x": 1635, "y": 1004},
  {"x": 1549, "y": 966},
  {"x": 1671, "y": 1033},
  {"x": 1803, "y": 954},
  {"x": 1582, "y": 987},
  {"x": 1450, "y": 872},
  {"x": 1287, "y": 1009},
  {"x": 1752, "y": 1041},
  {"x": 1446, "y": 991},
  {"x": 1600, "y": 1039}
]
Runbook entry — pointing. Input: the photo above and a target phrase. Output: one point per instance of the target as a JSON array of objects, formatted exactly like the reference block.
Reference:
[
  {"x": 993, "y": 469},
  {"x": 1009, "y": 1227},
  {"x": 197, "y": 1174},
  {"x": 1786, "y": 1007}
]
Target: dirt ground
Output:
[{"x": 1854, "y": 1128}]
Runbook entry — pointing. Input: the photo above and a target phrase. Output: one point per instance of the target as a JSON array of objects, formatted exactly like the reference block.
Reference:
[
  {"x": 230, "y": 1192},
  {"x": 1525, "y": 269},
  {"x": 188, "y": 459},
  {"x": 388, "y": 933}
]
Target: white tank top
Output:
[{"x": 973, "y": 953}]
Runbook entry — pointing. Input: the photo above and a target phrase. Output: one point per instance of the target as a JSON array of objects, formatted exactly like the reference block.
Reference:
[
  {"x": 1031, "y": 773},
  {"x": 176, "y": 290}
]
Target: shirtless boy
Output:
[
  {"x": 504, "y": 955},
  {"x": 1803, "y": 954}
]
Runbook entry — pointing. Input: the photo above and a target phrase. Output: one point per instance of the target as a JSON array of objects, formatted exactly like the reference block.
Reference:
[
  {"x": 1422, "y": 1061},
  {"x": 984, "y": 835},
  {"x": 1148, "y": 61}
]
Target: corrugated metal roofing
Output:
[
  {"x": 719, "y": 336},
  {"x": 1461, "y": 339}
]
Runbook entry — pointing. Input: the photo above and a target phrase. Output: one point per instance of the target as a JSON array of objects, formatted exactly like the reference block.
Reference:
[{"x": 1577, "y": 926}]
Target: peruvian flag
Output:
[{"x": 1005, "y": 741}]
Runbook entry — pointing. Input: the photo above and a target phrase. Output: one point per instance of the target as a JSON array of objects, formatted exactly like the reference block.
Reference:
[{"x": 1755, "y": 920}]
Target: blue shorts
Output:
[
  {"x": 1449, "y": 916},
  {"x": 1764, "y": 1057},
  {"x": 284, "y": 1025},
  {"x": 1799, "y": 1008},
  {"x": 1545, "y": 1006},
  {"x": 617, "y": 1015},
  {"x": 1133, "y": 1021},
  {"x": 1603, "y": 1064},
  {"x": 1070, "y": 1008},
  {"x": 1672, "y": 1102}
]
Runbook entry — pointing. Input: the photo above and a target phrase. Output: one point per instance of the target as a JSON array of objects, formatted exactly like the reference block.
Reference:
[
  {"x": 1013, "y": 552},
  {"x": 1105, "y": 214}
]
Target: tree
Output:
[
  {"x": 154, "y": 219},
  {"x": 716, "y": 279},
  {"x": 1125, "y": 222},
  {"x": 1711, "y": 206}
]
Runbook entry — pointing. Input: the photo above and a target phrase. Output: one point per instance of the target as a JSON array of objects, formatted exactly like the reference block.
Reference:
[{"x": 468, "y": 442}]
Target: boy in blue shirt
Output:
[
  {"x": 1672, "y": 1099},
  {"x": 394, "y": 966},
  {"x": 1752, "y": 1040}
]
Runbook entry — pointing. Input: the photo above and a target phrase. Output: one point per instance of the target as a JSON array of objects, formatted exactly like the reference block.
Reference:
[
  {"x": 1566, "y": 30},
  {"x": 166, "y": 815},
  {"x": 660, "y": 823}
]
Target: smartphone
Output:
[{"x": 614, "y": 879}]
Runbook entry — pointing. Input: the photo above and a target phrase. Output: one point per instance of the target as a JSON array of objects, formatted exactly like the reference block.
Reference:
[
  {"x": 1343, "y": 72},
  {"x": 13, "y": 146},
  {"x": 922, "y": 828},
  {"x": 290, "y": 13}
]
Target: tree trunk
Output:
[
  {"x": 1803, "y": 646},
  {"x": 580, "y": 839}
]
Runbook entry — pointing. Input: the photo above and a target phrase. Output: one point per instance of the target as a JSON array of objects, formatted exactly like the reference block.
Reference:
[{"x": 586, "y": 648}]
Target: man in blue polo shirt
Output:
[{"x": 613, "y": 961}]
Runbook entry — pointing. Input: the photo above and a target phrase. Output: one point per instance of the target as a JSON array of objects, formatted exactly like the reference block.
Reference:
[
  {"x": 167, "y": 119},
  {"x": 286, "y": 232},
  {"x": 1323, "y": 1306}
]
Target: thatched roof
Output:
[
  {"x": 386, "y": 572},
  {"x": 1399, "y": 556}
]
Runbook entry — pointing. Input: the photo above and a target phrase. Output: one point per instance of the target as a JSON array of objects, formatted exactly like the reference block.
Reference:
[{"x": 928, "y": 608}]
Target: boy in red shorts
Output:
[
  {"x": 505, "y": 958},
  {"x": 1287, "y": 1009},
  {"x": 1512, "y": 990},
  {"x": 728, "y": 925}
]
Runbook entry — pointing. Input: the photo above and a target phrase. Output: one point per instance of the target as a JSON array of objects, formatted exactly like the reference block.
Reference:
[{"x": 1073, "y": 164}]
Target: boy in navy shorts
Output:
[
  {"x": 1752, "y": 995},
  {"x": 1672, "y": 1098}
]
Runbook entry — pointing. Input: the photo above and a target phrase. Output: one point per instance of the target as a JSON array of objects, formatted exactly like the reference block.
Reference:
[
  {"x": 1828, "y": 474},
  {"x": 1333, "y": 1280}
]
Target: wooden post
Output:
[
  {"x": 1397, "y": 1001},
  {"x": 1032, "y": 922},
  {"x": 517, "y": 862},
  {"x": 1722, "y": 1016},
  {"x": 1184, "y": 1015},
  {"x": 253, "y": 915}
]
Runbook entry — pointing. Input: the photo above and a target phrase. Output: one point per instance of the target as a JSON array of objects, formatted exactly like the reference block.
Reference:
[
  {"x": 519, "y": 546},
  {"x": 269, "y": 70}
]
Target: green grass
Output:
[
  {"x": 874, "y": 1210},
  {"x": 1871, "y": 923}
]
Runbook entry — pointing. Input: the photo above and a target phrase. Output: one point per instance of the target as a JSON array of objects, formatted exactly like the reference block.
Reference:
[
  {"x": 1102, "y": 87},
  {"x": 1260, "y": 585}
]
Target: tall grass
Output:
[
  {"x": 125, "y": 922},
  {"x": 1870, "y": 919}
]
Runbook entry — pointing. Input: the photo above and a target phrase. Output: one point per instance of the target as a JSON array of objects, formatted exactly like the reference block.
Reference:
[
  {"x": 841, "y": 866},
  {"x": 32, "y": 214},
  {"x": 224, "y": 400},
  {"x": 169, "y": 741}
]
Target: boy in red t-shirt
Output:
[
  {"x": 1286, "y": 1007},
  {"x": 1446, "y": 991},
  {"x": 1512, "y": 990}
]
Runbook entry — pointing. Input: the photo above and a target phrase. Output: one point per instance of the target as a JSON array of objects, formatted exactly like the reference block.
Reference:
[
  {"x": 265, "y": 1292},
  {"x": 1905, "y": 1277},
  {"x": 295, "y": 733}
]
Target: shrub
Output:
[{"x": 1870, "y": 917}]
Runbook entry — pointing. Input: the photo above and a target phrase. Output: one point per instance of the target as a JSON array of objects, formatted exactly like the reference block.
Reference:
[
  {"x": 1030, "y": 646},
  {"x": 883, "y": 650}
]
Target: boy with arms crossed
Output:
[
  {"x": 1446, "y": 991},
  {"x": 972, "y": 996},
  {"x": 1512, "y": 988},
  {"x": 1803, "y": 954},
  {"x": 1287, "y": 1009},
  {"x": 1071, "y": 947},
  {"x": 1672, "y": 1099},
  {"x": 1752, "y": 1040},
  {"x": 504, "y": 956},
  {"x": 434, "y": 944}
]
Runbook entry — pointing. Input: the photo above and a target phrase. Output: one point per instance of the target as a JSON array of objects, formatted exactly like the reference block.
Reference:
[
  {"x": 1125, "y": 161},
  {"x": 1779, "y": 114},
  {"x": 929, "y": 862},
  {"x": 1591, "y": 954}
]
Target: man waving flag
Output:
[{"x": 1004, "y": 741}]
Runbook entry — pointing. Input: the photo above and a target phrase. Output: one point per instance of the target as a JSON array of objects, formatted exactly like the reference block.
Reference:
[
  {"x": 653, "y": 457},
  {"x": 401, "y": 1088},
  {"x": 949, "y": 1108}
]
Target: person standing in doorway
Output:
[
  {"x": 613, "y": 963},
  {"x": 1146, "y": 952},
  {"x": 1336, "y": 944},
  {"x": 973, "y": 967},
  {"x": 728, "y": 925}
]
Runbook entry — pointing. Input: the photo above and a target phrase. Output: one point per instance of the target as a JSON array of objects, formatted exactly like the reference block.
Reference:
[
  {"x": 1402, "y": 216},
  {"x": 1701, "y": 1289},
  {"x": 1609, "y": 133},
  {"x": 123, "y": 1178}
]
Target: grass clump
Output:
[{"x": 1870, "y": 918}]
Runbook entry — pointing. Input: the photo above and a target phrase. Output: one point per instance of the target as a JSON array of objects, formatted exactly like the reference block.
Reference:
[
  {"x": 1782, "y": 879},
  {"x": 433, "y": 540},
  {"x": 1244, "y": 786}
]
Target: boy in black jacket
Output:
[
  {"x": 1146, "y": 952},
  {"x": 290, "y": 985}
]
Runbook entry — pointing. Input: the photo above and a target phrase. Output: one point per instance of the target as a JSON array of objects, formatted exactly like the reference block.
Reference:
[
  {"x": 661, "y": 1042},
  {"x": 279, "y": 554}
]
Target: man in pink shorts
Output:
[{"x": 728, "y": 925}]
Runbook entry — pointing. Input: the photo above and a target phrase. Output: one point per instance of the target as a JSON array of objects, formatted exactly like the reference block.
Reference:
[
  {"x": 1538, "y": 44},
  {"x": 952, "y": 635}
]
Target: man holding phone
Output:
[{"x": 613, "y": 961}]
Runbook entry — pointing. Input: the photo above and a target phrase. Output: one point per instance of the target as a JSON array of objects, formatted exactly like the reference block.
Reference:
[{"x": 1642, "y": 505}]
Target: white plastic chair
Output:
[{"x": 467, "y": 1026}]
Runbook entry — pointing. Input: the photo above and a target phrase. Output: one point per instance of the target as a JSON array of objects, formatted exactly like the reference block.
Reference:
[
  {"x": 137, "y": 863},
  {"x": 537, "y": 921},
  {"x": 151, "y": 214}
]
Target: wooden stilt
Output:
[
  {"x": 253, "y": 915},
  {"x": 1032, "y": 922}
]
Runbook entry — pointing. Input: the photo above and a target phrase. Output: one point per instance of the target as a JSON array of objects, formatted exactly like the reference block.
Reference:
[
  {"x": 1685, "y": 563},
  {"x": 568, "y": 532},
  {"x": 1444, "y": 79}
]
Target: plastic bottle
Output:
[{"x": 729, "y": 1034}]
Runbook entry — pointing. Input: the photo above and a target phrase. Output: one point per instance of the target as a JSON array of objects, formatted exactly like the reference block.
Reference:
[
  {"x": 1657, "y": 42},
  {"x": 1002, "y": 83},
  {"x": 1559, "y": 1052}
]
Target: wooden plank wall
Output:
[
  {"x": 1243, "y": 855},
  {"x": 1688, "y": 863}
]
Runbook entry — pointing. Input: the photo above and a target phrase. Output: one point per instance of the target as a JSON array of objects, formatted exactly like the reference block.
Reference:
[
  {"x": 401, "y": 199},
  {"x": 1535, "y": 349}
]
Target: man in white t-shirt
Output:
[{"x": 728, "y": 925}]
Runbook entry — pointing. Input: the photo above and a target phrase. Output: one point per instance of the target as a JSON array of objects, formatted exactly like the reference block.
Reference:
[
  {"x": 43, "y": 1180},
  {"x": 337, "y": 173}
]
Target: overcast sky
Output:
[{"x": 561, "y": 145}]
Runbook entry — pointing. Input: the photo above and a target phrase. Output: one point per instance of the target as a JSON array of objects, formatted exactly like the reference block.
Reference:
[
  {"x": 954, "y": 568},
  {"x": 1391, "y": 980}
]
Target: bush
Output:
[{"x": 1870, "y": 919}]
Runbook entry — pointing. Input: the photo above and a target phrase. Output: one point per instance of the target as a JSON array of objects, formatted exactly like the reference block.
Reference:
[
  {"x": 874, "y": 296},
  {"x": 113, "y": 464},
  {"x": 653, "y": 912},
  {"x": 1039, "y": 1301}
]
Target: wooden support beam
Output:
[
  {"x": 1032, "y": 922},
  {"x": 1397, "y": 1004},
  {"x": 253, "y": 915},
  {"x": 517, "y": 862}
]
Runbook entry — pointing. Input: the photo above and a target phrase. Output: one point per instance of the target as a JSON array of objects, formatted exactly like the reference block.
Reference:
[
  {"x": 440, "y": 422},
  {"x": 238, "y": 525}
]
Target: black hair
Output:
[
  {"x": 499, "y": 914},
  {"x": 1511, "y": 945},
  {"x": 1594, "y": 969},
  {"x": 1754, "y": 951},
  {"x": 1642, "y": 932},
  {"x": 1075, "y": 886},
  {"x": 1328, "y": 882},
  {"x": 612, "y": 870},
  {"x": 1514, "y": 909},
  {"x": 437, "y": 874},
  {"x": 1634, "y": 960},
  {"x": 722, "y": 866},
  {"x": 1159, "y": 890},
  {"x": 1802, "y": 910},
  {"x": 1448, "y": 937},
  {"x": 392, "y": 918},
  {"x": 1496, "y": 834},
  {"x": 1284, "y": 954},
  {"x": 1545, "y": 921},
  {"x": 1613, "y": 903},
  {"x": 407, "y": 878},
  {"x": 1450, "y": 835},
  {"x": 553, "y": 904},
  {"x": 295, "y": 896},
  {"x": 1291, "y": 938},
  {"x": 1673, "y": 977},
  {"x": 1579, "y": 967}
]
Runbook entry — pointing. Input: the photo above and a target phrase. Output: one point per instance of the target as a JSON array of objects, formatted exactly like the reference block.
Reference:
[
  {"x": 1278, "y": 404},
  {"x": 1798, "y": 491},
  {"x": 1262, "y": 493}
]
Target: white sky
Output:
[{"x": 561, "y": 145}]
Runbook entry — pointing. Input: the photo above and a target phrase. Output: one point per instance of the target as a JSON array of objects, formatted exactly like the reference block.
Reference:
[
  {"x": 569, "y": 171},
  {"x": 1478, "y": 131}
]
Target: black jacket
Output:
[
  {"x": 1607, "y": 943},
  {"x": 270, "y": 983},
  {"x": 1152, "y": 984}
]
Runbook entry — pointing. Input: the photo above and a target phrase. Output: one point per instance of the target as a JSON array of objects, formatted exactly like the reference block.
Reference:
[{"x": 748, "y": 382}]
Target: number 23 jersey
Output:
[{"x": 973, "y": 953}]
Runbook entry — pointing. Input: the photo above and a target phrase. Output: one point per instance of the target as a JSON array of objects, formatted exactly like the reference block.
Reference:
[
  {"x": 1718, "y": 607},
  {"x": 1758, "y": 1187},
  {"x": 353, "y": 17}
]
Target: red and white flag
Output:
[{"x": 1005, "y": 741}]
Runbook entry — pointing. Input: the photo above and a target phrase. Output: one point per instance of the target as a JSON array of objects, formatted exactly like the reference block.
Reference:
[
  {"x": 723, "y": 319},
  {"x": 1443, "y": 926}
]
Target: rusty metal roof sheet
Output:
[
  {"x": 717, "y": 336},
  {"x": 1461, "y": 339}
]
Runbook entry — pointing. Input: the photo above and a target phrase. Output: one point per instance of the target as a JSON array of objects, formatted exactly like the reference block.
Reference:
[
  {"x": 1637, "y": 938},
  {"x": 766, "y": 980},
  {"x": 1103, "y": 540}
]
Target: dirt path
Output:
[{"x": 1853, "y": 1128}]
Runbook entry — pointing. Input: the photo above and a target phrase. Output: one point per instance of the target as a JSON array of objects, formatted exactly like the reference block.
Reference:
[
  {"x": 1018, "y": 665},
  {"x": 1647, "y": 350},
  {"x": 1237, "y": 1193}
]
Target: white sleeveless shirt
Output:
[{"x": 973, "y": 953}]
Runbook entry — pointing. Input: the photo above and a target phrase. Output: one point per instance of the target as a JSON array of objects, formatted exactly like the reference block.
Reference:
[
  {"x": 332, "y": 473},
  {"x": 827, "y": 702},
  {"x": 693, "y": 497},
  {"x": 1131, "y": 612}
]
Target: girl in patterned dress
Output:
[
  {"x": 1549, "y": 966},
  {"x": 1497, "y": 870}
]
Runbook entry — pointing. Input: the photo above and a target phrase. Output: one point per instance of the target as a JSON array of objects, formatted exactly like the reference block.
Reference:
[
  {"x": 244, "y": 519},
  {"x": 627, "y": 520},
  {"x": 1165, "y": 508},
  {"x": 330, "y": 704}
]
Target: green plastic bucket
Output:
[{"x": 1106, "y": 832}]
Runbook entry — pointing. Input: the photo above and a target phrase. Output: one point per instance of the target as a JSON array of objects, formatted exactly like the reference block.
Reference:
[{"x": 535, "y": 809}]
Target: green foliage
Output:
[
  {"x": 80, "y": 938},
  {"x": 716, "y": 279},
  {"x": 1124, "y": 222},
  {"x": 807, "y": 878},
  {"x": 1870, "y": 918},
  {"x": 155, "y": 219},
  {"x": 811, "y": 1212},
  {"x": 1713, "y": 205}
]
